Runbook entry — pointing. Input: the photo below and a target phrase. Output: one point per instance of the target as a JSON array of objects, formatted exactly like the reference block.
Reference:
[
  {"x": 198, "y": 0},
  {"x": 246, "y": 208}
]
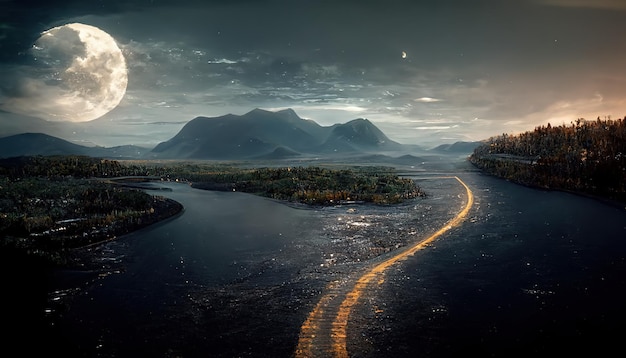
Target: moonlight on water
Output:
[{"x": 80, "y": 75}]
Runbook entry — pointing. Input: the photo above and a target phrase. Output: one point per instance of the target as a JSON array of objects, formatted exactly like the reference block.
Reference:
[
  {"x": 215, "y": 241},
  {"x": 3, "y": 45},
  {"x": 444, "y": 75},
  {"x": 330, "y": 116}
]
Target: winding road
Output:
[{"x": 324, "y": 333}]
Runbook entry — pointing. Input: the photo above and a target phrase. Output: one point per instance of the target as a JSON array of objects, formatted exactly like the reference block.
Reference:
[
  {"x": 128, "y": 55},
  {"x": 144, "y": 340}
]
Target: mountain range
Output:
[
  {"x": 258, "y": 134},
  {"x": 27, "y": 144},
  {"x": 263, "y": 133}
]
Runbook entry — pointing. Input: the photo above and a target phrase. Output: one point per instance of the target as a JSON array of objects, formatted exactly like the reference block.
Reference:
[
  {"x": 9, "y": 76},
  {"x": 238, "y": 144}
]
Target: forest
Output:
[
  {"x": 51, "y": 204},
  {"x": 587, "y": 157},
  {"x": 315, "y": 185},
  {"x": 46, "y": 217}
]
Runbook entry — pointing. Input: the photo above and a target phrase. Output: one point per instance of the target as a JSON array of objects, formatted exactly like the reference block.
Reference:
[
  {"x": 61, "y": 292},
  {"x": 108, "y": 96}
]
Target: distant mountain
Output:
[
  {"x": 26, "y": 144},
  {"x": 261, "y": 133},
  {"x": 457, "y": 147},
  {"x": 279, "y": 153},
  {"x": 37, "y": 144},
  {"x": 258, "y": 134},
  {"x": 118, "y": 152},
  {"x": 12, "y": 124},
  {"x": 381, "y": 159},
  {"x": 358, "y": 135}
]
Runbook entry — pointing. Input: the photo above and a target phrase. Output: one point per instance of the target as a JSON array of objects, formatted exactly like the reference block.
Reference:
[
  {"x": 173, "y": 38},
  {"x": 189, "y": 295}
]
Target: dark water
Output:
[
  {"x": 217, "y": 240},
  {"x": 530, "y": 272}
]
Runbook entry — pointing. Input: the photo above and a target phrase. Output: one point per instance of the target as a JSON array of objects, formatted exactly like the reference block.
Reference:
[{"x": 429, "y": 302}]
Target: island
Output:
[{"x": 50, "y": 205}]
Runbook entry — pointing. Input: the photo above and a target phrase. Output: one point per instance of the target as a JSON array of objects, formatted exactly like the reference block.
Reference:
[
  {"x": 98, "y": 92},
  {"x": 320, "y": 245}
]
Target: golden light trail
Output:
[
  {"x": 338, "y": 329},
  {"x": 311, "y": 327}
]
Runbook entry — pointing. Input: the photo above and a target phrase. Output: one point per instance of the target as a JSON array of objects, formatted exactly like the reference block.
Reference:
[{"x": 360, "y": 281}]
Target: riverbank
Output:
[
  {"x": 260, "y": 314},
  {"x": 81, "y": 258},
  {"x": 584, "y": 158},
  {"x": 493, "y": 166},
  {"x": 236, "y": 274},
  {"x": 27, "y": 271},
  {"x": 85, "y": 202}
]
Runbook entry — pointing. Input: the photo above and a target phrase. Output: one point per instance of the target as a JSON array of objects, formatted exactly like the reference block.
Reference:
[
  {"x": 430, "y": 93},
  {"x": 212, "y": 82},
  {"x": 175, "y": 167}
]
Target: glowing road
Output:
[{"x": 324, "y": 332}]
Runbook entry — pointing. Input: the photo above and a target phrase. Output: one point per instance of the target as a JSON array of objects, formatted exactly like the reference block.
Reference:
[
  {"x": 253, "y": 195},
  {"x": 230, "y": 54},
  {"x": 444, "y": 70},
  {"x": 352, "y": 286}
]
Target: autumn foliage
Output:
[{"x": 585, "y": 156}]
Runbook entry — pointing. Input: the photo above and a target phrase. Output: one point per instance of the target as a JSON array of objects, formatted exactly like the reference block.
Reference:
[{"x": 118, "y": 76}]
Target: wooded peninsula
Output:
[
  {"x": 587, "y": 157},
  {"x": 51, "y": 204}
]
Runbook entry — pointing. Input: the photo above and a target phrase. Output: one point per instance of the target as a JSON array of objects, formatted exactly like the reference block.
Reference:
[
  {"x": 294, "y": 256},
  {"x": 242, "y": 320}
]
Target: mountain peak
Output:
[
  {"x": 288, "y": 111},
  {"x": 230, "y": 138},
  {"x": 360, "y": 121},
  {"x": 360, "y": 134},
  {"x": 258, "y": 111}
]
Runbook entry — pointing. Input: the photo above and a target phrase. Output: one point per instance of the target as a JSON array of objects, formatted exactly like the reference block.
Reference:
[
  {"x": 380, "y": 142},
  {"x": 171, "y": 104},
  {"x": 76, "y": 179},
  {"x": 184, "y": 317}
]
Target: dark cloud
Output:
[{"x": 512, "y": 64}]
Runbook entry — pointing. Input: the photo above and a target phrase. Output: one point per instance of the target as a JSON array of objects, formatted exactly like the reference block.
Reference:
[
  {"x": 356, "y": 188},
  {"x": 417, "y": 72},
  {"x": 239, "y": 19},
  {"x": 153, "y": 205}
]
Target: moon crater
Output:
[{"x": 82, "y": 75}]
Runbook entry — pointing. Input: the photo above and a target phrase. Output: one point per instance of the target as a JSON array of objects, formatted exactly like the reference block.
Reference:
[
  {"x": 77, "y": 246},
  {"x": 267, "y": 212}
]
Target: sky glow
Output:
[{"x": 471, "y": 69}]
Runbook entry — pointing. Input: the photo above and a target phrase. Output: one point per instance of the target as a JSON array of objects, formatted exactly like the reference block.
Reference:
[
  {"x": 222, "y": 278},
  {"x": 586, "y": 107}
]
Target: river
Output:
[
  {"x": 532, "y": 273},
  {"x": 529, "y": 272}
]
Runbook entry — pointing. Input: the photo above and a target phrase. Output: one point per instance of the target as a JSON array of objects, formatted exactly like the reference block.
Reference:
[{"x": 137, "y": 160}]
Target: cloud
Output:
[
  {"x": 592, "y": 4},
  {"x": 468, "y": 73},
  {"x": 221, "y": 61},
  {"x": 426, "y": 100}
]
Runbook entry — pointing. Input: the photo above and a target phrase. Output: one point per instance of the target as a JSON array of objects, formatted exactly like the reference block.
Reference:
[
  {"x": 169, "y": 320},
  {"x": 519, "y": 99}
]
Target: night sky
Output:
[{"x": 424, "y": 72}]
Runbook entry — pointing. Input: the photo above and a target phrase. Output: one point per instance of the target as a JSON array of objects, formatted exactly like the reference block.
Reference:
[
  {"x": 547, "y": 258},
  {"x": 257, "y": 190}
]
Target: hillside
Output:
[
  {"x": 37, "y": 144},
  {"x": 586, "y": 156},
  {"x": 260, "y": 133},
  {"x": 457, "y": 147},
  {"x": 256, "y": 135},
  {"x": 27, "y": 144}
]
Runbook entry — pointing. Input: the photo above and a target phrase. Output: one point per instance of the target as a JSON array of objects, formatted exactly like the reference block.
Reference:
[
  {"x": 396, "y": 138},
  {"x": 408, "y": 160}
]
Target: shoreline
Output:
[
  {"x": 618, "y": 204},
  {"x": 81, "y": 258},
  {"x": 65, "y": 257}
]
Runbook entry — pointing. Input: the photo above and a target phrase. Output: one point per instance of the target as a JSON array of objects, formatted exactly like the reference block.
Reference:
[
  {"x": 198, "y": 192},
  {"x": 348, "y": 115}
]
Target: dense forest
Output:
[
  {"x": 49, "y": 204},
  {"x": 585, "y": 157},
  {"x": 45, "y": 216},
  {"x": 314, "y": 185},
  {"x": 310, "y": 185}
]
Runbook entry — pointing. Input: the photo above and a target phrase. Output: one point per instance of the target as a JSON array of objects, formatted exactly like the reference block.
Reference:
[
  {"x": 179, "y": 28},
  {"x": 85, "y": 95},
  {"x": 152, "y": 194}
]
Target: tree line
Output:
[
  {"x": 49, "y": 204},
  {"x": 45, "y": 217},
  {"x": 584, "y": 156},
  {"x": 315, "y": 185},
  {"x": 52, "y": 203},
  {"x": 310, "y": 185},
  {"x": 60, "y": 166}
]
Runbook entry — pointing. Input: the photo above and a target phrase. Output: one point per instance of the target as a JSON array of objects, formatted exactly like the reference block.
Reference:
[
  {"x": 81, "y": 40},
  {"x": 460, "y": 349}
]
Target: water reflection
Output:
[
  {"x": 535, "y": 272},
  {"x": 237, "y": 275}
]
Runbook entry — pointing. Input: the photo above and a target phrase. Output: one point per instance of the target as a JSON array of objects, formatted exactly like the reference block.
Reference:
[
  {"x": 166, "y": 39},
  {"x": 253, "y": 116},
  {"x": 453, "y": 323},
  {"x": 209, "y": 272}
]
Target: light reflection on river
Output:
[
  {"x": 216, "y": 231},
  {"x": 218, "y": 239},
  {"x": 528, "y": 267},
  {"x": 531, "y": 273}
]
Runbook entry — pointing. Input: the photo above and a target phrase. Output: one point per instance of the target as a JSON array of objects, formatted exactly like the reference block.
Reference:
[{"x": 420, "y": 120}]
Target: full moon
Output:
[{"x": 81, "y": 75}]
